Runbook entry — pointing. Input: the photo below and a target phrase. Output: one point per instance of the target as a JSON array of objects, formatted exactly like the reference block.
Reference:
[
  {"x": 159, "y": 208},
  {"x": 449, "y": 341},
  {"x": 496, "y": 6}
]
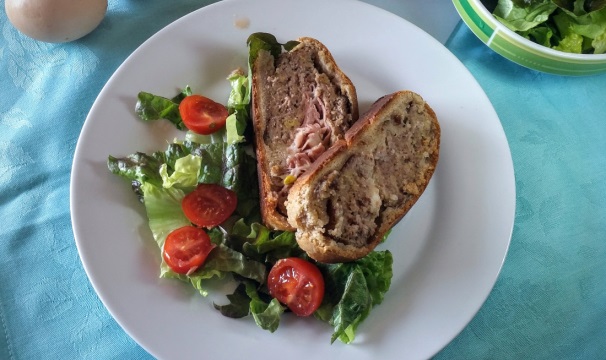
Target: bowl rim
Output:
[{"x": 500, "y": 27}]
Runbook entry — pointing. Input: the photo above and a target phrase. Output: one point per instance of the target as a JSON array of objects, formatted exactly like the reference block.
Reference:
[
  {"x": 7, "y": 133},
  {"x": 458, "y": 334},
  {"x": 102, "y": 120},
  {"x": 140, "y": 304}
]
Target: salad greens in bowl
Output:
[{"x": 564, "y": 37}]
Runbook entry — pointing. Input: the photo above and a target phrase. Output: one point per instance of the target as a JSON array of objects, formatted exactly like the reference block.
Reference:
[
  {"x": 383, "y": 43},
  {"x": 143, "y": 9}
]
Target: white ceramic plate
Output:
[{"x": 448, "y": 250}]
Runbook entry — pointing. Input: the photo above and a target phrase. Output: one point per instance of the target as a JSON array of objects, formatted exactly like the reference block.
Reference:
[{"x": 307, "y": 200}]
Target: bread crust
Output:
[
  {"x": 308, "y": 201},
  {"x": 270, "y": 199}
]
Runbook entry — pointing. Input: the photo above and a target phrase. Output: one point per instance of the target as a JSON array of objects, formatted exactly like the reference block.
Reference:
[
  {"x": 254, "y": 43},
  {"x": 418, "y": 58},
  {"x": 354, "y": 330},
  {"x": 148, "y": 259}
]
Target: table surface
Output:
[{"x": 549, "y": 301}]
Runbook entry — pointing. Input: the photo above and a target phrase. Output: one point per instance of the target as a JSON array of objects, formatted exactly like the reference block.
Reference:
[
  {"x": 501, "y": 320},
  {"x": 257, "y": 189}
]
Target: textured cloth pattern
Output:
[
  {"x": 548, "y": 303},
  {"x": 550, "y": 299}
]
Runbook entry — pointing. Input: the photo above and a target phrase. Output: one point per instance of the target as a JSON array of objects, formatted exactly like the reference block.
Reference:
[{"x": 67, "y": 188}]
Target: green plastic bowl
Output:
[{"x": 523, "y": 51}]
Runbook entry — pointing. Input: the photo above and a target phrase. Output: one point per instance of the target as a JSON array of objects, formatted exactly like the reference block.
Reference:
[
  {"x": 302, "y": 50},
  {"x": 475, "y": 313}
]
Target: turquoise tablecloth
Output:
[
  {"x": 548, "y": 303},
  {"x": 550, "y": 299}
]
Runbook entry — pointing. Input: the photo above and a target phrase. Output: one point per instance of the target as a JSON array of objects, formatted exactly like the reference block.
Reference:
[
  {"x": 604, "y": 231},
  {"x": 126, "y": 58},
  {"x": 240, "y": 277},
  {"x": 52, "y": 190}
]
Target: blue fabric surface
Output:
[
  {"x": 48, "y": 309},
  {"x": 549, "y": 302},
  {"x": 550, "y": 299}
]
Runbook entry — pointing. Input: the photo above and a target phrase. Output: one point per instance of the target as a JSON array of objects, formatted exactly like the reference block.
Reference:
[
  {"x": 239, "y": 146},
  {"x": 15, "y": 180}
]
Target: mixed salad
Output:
[
  {"x": 575, "y": 26},
  {"x": 202, "y": 202}
]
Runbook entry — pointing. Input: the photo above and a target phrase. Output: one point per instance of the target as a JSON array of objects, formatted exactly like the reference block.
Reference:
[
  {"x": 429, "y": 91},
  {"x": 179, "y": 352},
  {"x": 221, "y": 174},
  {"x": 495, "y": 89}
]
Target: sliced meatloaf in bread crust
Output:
[
  {"x": 343, "y": 206},
  {"x": 302, "y": 103}
]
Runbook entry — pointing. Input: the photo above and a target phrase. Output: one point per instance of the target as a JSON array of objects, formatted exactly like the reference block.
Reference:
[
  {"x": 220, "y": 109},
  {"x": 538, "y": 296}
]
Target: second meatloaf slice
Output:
[{"x": 350, "y": 198}]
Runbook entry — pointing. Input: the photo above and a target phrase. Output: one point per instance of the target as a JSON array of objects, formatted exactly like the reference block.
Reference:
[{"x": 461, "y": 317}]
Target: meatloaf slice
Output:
[
  {"x": 302, "y": 104},
  {"x": 359, "y": 189}
]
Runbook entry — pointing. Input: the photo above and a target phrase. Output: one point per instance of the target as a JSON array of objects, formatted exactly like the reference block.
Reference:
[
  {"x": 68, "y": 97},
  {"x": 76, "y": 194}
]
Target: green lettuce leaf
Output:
[
  {"x": 599, "y": 43},
  {"x": 185, "y": 174},
  {"x": 216, "y": 137},
  {"x": 266, "y": 314},
  {"x": 575, "y": 26},
  {"x": 151, "y": 107},
  {"x": 352, "y": 290},
  {"x": 138, "y": 167},
  {"x": 523, "y": 18},
  {"x": 276, "y": 245},
  {"x": 591, "y": 26},
  {"x": 378, "y": 271},
  {"x": 238, "y": 305},
  {"x": 248, "y": 300},
  {"x": 225, "y": 259},
  {"x": 354, "y": 307},
  {"x": 572, "y": 43},
  {"x": 580, "y": 7},
  {"x": 260, "y": 243},
  {"x": 542, "y": 35},
  {"x": 262, "y": 41},
  {"x": 238, "y": 106},
  {"x": 163, "y": 207},
  {"x": 196, "y": 279}
]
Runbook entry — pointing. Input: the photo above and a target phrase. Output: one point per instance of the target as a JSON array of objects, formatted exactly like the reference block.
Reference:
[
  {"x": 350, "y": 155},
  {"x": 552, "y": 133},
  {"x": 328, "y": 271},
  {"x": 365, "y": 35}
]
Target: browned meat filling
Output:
[
  {"x": 307, "y": 114},
  {"x": 370, "y": 181}
]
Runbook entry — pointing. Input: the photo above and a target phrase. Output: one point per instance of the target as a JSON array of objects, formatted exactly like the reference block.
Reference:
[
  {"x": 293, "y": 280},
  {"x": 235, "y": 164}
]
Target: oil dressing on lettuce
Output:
[{"x": 245, "y": 249}]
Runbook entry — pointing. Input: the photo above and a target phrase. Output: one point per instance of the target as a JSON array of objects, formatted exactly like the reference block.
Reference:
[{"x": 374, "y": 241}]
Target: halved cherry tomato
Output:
[
  {"x": 297, "y": 284},
  {"x": 186, "y": 249},
  {"x": 209, "y": 205},
  {"x": 202, "y": 115}
]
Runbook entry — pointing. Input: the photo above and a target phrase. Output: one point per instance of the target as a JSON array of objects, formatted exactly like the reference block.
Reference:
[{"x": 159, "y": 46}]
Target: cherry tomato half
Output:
[
  {"x": 186, "y": 249},
  {"x": 297, "y": 284},
  {"x": 202, "y": 115},
  {"x": 209, "y": 205}
]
